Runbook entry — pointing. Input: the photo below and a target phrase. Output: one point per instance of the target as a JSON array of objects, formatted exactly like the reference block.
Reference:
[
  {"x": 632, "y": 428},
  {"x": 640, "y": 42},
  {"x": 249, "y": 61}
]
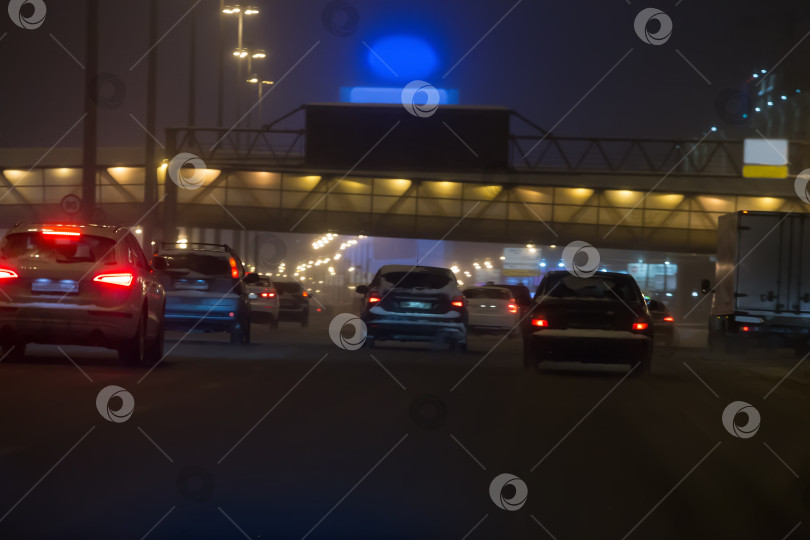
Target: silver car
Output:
[
  {"x": 79, "y": 285},
  {"x": 264, "y": 304}
]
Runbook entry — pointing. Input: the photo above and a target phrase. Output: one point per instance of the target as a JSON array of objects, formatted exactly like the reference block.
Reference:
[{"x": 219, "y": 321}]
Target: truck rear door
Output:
[{"x": 762, "y": 269}]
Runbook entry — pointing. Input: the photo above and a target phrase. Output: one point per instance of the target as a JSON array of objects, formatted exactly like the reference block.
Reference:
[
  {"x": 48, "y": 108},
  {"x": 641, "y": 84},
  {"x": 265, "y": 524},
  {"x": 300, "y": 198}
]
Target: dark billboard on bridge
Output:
[{"x": 393, "y": 138}]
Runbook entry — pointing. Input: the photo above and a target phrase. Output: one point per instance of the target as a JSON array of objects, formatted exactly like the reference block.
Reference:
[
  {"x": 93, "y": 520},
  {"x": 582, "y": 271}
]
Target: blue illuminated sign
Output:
[
  {"x": 402, "y": 57},
  {"x": 369, "y": 94}
]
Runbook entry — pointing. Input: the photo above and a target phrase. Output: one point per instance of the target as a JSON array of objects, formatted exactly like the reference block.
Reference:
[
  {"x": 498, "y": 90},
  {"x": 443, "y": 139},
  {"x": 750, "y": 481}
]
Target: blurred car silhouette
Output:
[
  {"x": 293, "y": 302},
  {"x": 663, "y": 323},
  {"x": 414, "y": 303},
  {"x": 598, "y": 319},
  {"x": 206, "y": 289},
  {"x": 79, "y": 285},
  {"x": 520, "y": 293},
  {"x": 491, "y": 310},
  {"x": 263, "y": 301}
]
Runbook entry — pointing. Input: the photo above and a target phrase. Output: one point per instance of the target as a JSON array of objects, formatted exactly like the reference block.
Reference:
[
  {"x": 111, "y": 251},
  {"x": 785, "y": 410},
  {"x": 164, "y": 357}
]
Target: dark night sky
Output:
[{"x": 540, "y": 61}]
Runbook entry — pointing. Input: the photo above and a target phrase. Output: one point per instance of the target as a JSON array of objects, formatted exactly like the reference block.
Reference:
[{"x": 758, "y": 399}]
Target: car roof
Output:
[
  {"x": 554, "y": 273},
  {"x": 177, "y": 251},
  {"x": 493, "y": 287},
  {"x": 389, "y": 268},
  {"x": 509, "y": 286},
  {"x": 114, "y": 232}
]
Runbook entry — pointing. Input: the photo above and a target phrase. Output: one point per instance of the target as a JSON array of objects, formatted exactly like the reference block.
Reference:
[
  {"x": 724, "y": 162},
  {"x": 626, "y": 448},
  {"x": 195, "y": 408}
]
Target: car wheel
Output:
[
  {"x": 155, "y": 352},
  {"x": 457, "y": 346},
  {"x": 273, "y": 323},
  {"x": 14, "y": 351},
  {"x": 305, "y": 321},
  {"x": 133, "y": 350},
  {"x": 370, "y": 342},
  {"x": 246, "y": 334},
  {"x": 529, "y": 356},
  {"x": 240, "y": 335}
]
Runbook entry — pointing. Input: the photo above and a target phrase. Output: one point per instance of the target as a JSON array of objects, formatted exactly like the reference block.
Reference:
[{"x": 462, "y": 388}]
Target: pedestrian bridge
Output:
[{"x": 648, "y": 194}]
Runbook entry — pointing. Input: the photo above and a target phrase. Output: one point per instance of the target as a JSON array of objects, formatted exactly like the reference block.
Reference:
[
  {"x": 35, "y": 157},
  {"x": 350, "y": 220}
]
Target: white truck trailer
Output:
[{"x": 761, "y": 292}]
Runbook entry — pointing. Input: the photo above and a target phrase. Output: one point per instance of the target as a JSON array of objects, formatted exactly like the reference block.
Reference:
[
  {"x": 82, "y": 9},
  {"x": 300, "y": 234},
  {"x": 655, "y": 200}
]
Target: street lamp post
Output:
[
  {"x": 250, "y": 54},
  {"x": 255, "y": 79},
  {"x": 240, "y": 13}
]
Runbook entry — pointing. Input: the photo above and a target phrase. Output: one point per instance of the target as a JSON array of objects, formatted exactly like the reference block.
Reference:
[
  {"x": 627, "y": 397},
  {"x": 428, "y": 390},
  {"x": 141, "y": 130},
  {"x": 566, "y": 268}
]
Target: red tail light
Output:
[
  {"x": 669, "y": 319},
  {"x": 374, "y": 298},
  {"x": 7, "y": 273},
  {"x": 62, "y": 231},
  {"x": 234, "y": 269},
  {"x": 305, "y": 294},
  {"x": 640, "y": 325},
  {"x": 457, "y": 301},
  {"x": 124, "y": 279},
  {"x": 512, "y": 308},
  {"x": 540, "y": 323},
  {"x": 745, "y": 329},
  {"x": 268, "y": 294}
]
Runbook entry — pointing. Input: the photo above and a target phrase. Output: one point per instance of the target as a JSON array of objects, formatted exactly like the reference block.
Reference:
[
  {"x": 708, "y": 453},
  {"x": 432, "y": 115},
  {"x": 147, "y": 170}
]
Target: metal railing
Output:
[
  {"x": 626, "y": 156},
  {"x": 537, "y": 150}
]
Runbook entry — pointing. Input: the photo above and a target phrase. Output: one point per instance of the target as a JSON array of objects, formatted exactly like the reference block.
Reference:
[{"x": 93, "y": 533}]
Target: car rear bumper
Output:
[
  {"x": 67, "y": 324},
  {"x": 415, "y": 330},
  {"x": 482, "y": 322},
  {"x": 664, "y": 333},
  {"x": 603, "y": 347},
  {"x": 202, "y": 313},
  {"x": 294, "y": 312},
  {"x": 196, "y": 323},
  {"x": 261, "y": 313},
  {"x": 485, "y": 329}
]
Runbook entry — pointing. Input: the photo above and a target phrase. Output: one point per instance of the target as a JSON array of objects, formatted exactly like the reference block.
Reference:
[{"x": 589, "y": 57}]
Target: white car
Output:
[
  {"x": 414, "y": 303},
  {"x": 264, "y": 304},
  {"x": 491, "y": 310}
]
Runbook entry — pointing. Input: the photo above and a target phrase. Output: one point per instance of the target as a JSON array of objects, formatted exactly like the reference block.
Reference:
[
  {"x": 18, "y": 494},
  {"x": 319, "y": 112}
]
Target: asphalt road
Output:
[{"x": 293, "y": 437}]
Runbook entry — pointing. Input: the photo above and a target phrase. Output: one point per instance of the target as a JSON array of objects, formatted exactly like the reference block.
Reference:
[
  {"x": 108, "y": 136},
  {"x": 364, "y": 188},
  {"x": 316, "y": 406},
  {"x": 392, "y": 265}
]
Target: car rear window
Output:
[
  {"x": 418, "y": 280},
  {"x": 520, "y": 292},
  {"x": 286, "y": 287},
  {"x": 488, "y": 293},
  {"x": 213, "y": 265},
  {"x": 61, "y": 249},
  {"x": 594, "y": 288}
]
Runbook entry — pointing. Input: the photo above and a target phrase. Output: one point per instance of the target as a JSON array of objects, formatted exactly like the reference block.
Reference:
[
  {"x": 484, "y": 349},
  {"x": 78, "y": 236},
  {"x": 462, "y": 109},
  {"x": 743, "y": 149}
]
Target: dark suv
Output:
[
  {"x": 414, "y": 303},
  {"x": 205, "y": 289},
  {"x": 600, "y": 319},
  {"x": 293, "y": 302}
]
